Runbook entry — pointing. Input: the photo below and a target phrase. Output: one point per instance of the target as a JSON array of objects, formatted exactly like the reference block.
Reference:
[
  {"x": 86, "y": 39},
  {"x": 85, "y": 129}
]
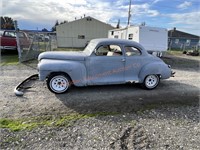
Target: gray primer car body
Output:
[{"x": 89, "y": 68}]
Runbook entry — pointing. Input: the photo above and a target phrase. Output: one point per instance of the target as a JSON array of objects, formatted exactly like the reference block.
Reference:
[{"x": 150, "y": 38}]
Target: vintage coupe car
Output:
[{"x": 103, "y": 62}]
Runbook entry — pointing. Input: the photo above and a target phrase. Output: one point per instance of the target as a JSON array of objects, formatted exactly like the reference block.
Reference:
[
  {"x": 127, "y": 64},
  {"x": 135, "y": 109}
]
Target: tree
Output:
[
  {"x": 64, "y": 22},
  {"x": 54, "y": 27},
  {"x": 44, "y": 30},
  {"x": 7, "y": 23}
]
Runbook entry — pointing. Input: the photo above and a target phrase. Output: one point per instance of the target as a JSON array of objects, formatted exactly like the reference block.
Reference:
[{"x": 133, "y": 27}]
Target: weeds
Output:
[{"x": 30, "y": 123}]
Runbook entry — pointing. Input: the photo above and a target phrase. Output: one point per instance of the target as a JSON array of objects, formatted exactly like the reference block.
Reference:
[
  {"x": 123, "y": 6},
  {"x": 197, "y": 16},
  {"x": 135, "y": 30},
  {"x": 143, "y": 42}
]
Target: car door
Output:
[
  {"x": 106, "y": 66},
  {"x": 133, "y": 63},
  {"x": 10, "y": 39}
]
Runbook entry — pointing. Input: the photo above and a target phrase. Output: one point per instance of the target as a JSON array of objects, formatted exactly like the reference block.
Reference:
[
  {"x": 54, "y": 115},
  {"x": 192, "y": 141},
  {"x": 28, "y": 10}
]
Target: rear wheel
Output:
[
  {"x": 151, "y": 81},
  {"x": 58, "y": 83}
]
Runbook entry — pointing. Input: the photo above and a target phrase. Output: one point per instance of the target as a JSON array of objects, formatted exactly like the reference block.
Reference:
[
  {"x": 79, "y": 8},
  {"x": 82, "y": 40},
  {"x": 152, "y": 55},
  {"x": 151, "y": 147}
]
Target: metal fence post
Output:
[{"x": 17, "y": 39}]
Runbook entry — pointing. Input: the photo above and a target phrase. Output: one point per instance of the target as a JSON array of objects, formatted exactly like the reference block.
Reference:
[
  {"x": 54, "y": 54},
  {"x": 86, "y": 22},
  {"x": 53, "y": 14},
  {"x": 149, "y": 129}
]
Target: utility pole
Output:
[{"x": 129, "y": 14}]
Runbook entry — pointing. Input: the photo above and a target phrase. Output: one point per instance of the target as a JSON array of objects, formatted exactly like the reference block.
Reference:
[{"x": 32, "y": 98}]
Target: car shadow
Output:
[
  {"x": 129, "y": 98},
  {"x": 9, "y": 52}
]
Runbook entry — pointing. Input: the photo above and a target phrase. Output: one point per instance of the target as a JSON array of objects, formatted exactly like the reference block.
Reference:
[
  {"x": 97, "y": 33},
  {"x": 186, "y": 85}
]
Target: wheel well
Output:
[
  {"x": 58, "y": 73},
  {"x": 159, "y": 76}
]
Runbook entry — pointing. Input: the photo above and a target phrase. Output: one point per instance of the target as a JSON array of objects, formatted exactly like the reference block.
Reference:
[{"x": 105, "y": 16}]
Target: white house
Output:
[
  {"x": 153, "y": 39},
  {"x": 78, "y": 32}
]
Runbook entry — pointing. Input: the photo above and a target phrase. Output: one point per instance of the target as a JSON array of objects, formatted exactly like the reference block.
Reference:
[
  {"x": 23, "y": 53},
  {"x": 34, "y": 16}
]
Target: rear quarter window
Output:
[{"x": 132, "y": 51}]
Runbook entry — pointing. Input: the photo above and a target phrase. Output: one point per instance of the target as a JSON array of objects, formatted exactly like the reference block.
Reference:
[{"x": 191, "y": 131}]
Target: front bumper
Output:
[{"x": 20, "y": 87}]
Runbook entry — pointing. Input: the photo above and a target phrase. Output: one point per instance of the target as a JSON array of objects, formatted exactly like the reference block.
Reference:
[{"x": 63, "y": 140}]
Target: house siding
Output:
[
  {"x": 182, "y": 41},
  {"x": 77, "y": 33}
]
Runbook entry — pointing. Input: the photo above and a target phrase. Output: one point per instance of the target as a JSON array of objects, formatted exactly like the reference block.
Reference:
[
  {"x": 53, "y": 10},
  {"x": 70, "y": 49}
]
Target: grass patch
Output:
[
  {"x": 16, "y": 125},
  {"x": 175, "y": 52},
  {"x": 9, "y": 60},
  {"x": 31, "y": 123}
]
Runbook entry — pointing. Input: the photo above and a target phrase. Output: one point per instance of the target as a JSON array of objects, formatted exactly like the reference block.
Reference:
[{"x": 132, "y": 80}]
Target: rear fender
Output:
[{"x": 159, "y": 68}]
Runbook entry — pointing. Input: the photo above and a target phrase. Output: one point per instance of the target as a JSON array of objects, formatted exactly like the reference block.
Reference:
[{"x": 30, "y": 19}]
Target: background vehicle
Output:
[
  {"x": 104, "y": 61},
  {"x": 154, "y": 39},
  {"x": 8, "y": 40}
]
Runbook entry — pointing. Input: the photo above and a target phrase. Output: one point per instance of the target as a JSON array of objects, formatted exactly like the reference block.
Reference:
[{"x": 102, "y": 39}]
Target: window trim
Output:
[
  {"x": 139, "y": 49},
  {"x": 96, "y": 49}
]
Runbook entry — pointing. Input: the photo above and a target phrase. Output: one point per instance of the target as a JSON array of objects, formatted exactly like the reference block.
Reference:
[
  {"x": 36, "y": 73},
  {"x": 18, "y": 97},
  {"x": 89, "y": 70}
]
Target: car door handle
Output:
[{"x": 123, "y": 59}]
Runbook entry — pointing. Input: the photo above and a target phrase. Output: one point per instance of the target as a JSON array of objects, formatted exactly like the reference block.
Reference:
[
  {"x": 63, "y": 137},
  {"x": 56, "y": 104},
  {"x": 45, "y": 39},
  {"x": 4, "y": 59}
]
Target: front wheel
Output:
[
  {"x": 151, "y": 81},
  {"x": 58, "y": 83}
]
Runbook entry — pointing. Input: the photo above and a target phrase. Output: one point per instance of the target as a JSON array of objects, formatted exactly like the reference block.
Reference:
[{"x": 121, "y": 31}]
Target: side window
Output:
[
  {"x": 10, "y": 34},
  {"x": 21, "y": 35},
  {"x": 132, "y": 51},
  {"x": 109, "y": 50},
  {"x": 102, "y": 50}
]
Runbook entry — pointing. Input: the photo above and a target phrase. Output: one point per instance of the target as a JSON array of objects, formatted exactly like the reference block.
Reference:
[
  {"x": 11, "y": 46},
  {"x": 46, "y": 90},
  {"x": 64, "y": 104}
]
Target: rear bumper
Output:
[
  {"x": 8, "y": 47},
  {"x": 172, "y": 73}
]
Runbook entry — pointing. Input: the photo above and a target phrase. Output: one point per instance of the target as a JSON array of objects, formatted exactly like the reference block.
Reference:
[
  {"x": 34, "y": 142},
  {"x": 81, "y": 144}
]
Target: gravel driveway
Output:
[{"x": 129, "y": 117}]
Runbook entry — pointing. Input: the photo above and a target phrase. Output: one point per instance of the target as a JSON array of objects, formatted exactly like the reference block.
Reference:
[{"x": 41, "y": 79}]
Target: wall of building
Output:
[
  {"x": 79, "y": 32},
  {"x": 183, "y": 43},
  {"x": 182, "y": 40}
]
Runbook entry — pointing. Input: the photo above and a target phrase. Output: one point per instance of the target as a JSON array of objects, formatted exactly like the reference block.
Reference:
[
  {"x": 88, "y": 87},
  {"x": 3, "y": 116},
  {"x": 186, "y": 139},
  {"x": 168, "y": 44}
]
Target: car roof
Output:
[
  {"x": 119, "y": 41},
  {"x": 107, "y": 41}
]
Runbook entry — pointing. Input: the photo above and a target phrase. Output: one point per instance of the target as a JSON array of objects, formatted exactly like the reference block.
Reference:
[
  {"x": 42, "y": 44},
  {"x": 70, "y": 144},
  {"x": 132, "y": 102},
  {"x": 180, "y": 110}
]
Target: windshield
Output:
[{"x": 89, "y": 48}]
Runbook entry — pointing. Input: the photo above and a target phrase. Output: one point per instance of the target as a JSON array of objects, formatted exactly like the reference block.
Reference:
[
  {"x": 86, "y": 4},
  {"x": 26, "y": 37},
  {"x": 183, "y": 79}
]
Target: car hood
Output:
[{"x": 62, "y": 55}]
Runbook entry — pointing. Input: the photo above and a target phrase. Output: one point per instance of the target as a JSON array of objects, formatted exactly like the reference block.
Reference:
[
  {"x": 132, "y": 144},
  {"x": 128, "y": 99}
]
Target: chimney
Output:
[{"x": 174, "y": 28}]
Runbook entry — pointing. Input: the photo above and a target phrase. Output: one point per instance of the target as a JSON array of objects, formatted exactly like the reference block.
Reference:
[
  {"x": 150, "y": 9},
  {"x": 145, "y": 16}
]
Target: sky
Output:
[{"x": 39, "y": 14}]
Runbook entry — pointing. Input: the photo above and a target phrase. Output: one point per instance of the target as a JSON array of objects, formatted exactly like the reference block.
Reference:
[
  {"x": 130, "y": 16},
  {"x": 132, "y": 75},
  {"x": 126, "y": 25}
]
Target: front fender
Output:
[
  {"x": 75, "y": 69},
  {"x": 158, "y": 68}
]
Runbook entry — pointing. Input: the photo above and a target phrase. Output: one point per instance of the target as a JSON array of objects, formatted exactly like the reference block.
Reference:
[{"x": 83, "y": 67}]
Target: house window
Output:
[
  {"x": 112, "y": 32},
  {"x": 81, "y": 36},
  {"x": 130, "y": 36},
  {"x": 116, "y": 36},
  {"x": 188, "y": 42},
  {"x": 176, "y": 41}
]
